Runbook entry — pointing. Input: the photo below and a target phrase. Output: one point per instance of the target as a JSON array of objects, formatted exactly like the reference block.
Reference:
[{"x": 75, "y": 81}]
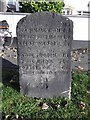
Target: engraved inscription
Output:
[{"x": 44, "y": 45}]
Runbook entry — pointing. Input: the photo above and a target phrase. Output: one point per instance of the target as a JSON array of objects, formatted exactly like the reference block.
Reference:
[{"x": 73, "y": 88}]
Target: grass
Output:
[{"x": 76, "y": 108}]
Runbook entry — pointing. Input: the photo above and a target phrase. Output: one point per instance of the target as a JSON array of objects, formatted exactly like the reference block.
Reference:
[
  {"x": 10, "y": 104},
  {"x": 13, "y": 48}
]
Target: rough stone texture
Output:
[{"x": 44, "y": 54}]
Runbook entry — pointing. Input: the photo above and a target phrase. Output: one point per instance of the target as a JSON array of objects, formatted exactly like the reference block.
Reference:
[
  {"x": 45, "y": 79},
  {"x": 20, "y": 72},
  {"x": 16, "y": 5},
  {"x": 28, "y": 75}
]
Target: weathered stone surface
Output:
[{"x": 44, "y": 54}]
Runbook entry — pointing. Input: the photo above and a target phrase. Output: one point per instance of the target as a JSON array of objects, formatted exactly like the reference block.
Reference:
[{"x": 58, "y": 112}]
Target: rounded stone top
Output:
[{"x": 44, "y": 19}]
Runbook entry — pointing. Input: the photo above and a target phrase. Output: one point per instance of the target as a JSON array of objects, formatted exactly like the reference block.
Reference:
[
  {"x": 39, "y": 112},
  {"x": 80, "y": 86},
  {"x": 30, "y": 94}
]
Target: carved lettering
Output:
[{"x": 44, "y": 44}]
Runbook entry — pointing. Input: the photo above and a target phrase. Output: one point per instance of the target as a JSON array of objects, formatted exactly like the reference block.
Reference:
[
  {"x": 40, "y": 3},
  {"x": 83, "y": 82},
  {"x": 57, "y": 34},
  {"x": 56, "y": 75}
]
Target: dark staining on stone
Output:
[
  {"x": 64, "y": 30},
  {"x": 65, "y": 24},
  {"x": 53, "y": 15},
  {"x": 69, "y": 30},
  {"x": 64, "y": 36},
  {"x": 69, "y": 24},
  {"x": 68, "y": 36},
  {"x": 46, "y": 85}
]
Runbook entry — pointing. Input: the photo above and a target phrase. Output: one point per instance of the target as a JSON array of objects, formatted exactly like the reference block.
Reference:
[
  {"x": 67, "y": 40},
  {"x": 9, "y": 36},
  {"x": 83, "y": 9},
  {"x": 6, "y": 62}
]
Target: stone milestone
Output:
[{"x": 44, "y": 54}]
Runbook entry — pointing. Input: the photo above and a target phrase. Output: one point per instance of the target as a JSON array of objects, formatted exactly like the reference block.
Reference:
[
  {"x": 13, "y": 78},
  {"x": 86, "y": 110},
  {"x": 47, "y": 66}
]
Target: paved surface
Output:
[
  {"x": 80, "y": 44},
  {"x": 80, "y": 55}
]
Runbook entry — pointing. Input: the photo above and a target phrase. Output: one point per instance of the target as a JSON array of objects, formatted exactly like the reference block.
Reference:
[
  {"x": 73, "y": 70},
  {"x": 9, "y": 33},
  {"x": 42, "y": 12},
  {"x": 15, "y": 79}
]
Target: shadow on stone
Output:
[{"x": 10, "y": 74}]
